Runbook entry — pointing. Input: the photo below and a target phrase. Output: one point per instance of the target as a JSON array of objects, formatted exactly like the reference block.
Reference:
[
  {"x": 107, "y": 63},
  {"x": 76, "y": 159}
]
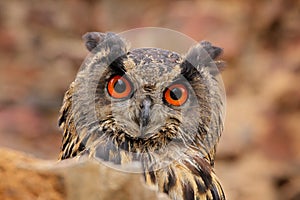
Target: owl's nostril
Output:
[{"x": 145, "y": 112}]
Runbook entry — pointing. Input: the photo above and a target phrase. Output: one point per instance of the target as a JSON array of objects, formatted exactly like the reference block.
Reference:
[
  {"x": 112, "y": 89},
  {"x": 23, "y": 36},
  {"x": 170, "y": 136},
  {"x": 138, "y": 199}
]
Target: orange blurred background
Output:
[{"x": 259, "y": 153}]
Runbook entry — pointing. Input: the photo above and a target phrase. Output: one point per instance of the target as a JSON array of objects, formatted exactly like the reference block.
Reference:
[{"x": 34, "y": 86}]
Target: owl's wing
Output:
[{"x": 71, "y": 145}]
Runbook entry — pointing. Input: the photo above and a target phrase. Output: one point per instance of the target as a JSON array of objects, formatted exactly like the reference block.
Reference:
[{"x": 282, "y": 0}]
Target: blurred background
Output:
[{"x": 259, "y": 153}]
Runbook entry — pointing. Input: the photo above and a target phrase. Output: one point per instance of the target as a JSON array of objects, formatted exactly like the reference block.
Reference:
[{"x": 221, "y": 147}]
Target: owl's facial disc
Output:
[{"x": 156, "y": 93}]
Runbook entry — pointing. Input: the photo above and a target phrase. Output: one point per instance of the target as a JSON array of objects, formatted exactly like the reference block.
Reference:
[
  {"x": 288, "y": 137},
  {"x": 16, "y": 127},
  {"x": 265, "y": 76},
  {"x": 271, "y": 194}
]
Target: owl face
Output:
[
  {"x": 148, "y": 93},
  {"x": 147, "y": 100}
]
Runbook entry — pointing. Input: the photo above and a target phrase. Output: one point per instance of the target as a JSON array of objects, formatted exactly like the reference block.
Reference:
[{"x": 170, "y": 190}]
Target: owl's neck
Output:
[{"x": 183, "y": 176}]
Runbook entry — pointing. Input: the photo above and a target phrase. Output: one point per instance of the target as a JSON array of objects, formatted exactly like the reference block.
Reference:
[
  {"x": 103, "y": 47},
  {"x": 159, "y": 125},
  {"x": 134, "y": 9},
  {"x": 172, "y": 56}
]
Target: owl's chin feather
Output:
[{"x": 114, "y": 144}]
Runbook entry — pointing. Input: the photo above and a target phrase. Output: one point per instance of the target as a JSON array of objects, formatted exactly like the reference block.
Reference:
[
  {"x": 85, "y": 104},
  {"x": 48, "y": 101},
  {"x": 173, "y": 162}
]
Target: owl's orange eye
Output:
[
  {"x": 119, "y": 87},
  {"x": 176, "y": 94}
]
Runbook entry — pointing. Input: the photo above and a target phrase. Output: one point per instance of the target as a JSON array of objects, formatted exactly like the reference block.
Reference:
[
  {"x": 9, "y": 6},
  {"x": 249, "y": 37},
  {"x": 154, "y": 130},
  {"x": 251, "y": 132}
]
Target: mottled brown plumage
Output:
[{"x": 175, "y": 144}]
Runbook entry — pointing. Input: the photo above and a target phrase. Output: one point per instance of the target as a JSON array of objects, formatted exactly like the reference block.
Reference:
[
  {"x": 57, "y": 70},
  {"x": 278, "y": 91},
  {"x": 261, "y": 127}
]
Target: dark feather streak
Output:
[
  {"x": 171, "y": 181},
  {"x": 188, "y": 192}
]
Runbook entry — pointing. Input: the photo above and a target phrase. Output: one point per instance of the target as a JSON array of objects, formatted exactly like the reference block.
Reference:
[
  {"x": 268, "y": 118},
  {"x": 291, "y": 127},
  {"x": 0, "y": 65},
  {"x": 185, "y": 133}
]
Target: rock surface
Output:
[{"x": 26, "y": 178}]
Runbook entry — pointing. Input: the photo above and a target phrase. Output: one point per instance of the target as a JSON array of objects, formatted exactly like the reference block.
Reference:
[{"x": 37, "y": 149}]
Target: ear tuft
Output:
[
  {"x": 111, "y": 43},
  {"x": 92, "y": 39},
  {"x": 212, "y": 51},
  {"x": 204, "y": 55}
]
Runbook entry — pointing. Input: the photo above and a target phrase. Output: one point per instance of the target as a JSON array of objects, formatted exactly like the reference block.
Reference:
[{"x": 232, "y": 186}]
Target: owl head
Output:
[{"x": 127, "y": 104}]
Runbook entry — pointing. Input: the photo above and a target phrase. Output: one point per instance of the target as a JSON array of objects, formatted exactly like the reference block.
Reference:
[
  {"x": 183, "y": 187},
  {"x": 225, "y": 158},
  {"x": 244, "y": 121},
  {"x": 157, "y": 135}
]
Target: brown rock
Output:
[
  {"x": 20, "y": 182},
  {"x": 28, "y": 178}
]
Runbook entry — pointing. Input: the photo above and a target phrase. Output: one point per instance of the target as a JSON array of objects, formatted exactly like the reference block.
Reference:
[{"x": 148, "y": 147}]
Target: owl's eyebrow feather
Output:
[
  {"x": 188, "y": 71},
  {"x": 117, "y": 66}
]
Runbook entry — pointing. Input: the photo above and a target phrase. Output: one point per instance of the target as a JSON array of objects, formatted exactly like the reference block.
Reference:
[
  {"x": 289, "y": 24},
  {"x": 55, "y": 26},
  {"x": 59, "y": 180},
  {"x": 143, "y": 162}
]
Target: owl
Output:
[{"x": 152, "y": 106}]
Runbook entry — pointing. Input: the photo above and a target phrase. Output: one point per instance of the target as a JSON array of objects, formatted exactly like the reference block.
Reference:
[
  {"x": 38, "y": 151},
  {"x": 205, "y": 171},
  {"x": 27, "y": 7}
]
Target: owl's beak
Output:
[{"x": 145, "y": 113}]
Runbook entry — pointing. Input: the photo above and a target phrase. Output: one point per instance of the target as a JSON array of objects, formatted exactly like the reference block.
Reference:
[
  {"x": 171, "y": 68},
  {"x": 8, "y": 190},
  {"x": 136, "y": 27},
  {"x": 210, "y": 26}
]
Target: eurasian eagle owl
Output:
[{"x": 149, "y": 105}]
